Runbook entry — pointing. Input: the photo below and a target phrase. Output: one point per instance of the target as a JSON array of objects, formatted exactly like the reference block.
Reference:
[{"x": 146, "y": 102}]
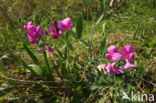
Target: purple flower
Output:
[
  {"x": 128, "y": 52},
  {"x": 32, "y": 40},
  {"x": 53, "y": 32},
  {"x": 113, "y": 54},
  {"x": 129, "y": 64},
  {"x": 111, "y": 69},
  {"x": 49, "y": 49},
  {"x": 34, "y": 33},
  {"x": 66, "y": 24}
]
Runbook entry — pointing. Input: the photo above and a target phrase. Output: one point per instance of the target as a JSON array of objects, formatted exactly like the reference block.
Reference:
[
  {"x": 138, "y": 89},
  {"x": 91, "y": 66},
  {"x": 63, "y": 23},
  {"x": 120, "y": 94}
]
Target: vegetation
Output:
[{"x": 66, "y": 69}]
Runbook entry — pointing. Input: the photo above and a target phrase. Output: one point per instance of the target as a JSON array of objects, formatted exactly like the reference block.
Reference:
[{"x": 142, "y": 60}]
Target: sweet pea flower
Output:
[
  {"x": 111, "y": 69},
  {"x": 32, "y": 40},
  {"x": 34, "y": 33},
  {"x": 53, "y": 32},
  {"x": 102, "y": 67},
  {"x": 34, "y": 30},
  {"x": 128, "y": 52},
  {"x": 113, "y": 54},
  {"x": 49, "y": 49},
  {"x": 129, "y": 64},
  {"x": 65, "y": 24}
]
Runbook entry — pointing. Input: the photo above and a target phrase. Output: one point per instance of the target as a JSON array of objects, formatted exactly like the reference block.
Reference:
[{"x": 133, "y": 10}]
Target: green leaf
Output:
[
  {"x": 5, "y": 92},
  {"x": 48, "y": 70},
  {"x": 102, "y": 5},
  {"x": 60, "y": 54},
  {"x": 70, "y": 45},
  {"x": 93, "y": 87},
  {"x": 79, "y": 26},
  {"x": 33, "y": 57},
  {"x": 13, "y": 57},
  {"x": 103, "y": 43},
  {"x": 63, "y": 71},
  {"x": 37, "y": 70}
]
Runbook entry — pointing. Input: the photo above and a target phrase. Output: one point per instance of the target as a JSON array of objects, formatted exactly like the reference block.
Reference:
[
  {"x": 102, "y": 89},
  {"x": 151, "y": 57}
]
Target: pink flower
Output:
[
  {"x": 102, "y": 67},
  {"x": 34, "y": 33},
  {"x": 128, "y": 52},
  {"x": 66, "y": 24},
  {"x": 49, "y": 49},
  {"x": 54, "y": 33},
  {"x": 33, "y": 41},
  {"x": 129, "y": 64},
  {"x": 34, "y": 30},
  {"x": 113, "y": 54},
  {"x": 111, "y": 69}
]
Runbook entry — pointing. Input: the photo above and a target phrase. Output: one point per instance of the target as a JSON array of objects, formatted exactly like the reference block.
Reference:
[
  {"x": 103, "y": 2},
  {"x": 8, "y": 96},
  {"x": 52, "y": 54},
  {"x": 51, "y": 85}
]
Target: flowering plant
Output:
[{"x": 118, "y": 60}]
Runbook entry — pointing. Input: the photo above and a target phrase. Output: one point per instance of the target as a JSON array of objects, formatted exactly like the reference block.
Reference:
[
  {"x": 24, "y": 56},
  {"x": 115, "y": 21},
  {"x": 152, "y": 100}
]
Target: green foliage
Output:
[
  {"x": 79, "y": 26},
  {"x": 33, "y": 57},
  {"x": 37, "y": 70},
  {"x": 103, "y": 43},
  {"x": 5, "y": 92},
  {"x": 69, "y": 74},
  {"x": 3, "y": 71}
]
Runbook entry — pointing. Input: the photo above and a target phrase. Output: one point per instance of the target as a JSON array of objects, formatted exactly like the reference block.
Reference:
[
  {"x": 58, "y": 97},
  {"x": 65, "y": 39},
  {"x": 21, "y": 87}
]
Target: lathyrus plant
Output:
[{"x": 61, "y": 72}]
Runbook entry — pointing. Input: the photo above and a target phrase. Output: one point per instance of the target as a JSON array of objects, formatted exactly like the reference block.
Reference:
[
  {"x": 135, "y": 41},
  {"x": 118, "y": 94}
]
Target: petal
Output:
[
  {"x": 29, "y": 23},
  {"x": 49, "y": 49},
  {"x": 60, "y": 33},
  {"x": 131, "y": 56},
  {"x": 61, "y": 26},
  {"x": 25, "y": 27},
  {"x": 102, "y": 67},
  {"x": 113, "y": 49},
  {"x": 116, "y": 57},
  {"x": 128, "y": 49},
  {"x": 113, "y": 70},
  {"x": 129, "y": 64},
  {"x": 52, "y": 29},
  {"x": 68, "y": 23},
  {"x": 33, "y": 41},
  {"x": 108, "y": 56},
  {"x": 55, "y": 36}
]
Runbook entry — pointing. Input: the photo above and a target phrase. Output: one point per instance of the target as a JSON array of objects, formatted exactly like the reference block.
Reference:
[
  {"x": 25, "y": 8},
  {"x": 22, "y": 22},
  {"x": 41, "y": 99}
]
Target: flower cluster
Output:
[
  {"x": 117, "y": 59},
  {"x": 35, "y": 33},
  {"x": 64, "y": 25}
]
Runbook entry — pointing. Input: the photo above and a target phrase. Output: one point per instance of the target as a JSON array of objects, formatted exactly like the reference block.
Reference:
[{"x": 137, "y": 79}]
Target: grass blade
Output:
[{"x": 49, "y": 76}]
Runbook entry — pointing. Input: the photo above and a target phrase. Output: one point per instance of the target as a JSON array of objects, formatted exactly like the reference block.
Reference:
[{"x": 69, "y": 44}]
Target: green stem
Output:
[{"x": 154, "y": 3}]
